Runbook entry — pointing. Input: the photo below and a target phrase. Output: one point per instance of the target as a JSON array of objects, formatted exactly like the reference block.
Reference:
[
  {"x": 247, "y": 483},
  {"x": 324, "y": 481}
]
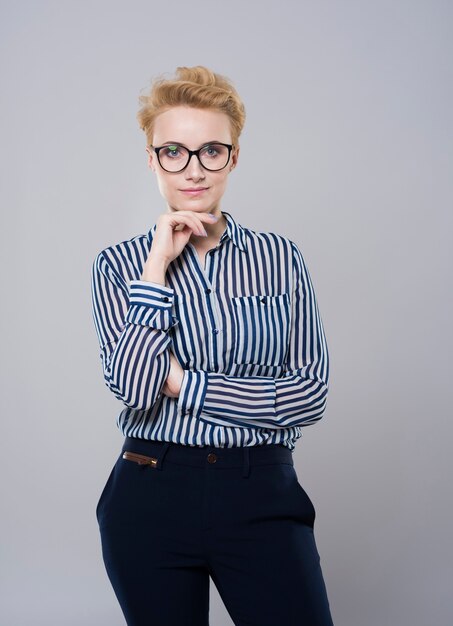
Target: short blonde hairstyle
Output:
[{"x": 196, "y": 87}]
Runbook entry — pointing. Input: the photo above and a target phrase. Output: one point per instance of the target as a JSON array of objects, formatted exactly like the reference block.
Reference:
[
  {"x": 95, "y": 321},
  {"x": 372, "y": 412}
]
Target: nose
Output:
[{"x": 194, "y": 169}]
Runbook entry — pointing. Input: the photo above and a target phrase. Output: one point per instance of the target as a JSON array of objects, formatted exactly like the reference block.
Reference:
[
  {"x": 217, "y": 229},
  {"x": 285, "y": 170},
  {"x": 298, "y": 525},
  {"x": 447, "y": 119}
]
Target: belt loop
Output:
[
  {"x": 160, "y": 459},
  {"x": 246, "y": 465}
]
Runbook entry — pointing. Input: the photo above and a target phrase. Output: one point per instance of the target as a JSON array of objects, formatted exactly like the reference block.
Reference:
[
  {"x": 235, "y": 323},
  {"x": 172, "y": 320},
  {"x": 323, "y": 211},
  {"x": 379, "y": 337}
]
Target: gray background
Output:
[{"x": 347, "y": 150}]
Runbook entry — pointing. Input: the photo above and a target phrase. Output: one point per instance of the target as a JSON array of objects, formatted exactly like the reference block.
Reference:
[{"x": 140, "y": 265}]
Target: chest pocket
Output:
[{"x": 262, "y": 326}]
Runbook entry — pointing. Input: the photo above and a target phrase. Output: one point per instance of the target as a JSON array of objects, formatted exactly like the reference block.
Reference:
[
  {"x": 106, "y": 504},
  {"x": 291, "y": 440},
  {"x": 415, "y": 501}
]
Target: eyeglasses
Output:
[{"x": 175, "y": 157}]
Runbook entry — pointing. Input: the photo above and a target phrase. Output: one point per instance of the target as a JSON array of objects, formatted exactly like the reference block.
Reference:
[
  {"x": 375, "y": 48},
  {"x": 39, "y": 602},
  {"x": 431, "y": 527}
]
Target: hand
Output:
[
  {"x": 173, "y": 231},
  {"x": 168, "y": 243},
  {"x": 173, "y": 383}
]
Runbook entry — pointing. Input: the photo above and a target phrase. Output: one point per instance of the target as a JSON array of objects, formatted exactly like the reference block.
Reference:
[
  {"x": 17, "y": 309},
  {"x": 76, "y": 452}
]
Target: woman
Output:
[{"x": 211, "y": 337}]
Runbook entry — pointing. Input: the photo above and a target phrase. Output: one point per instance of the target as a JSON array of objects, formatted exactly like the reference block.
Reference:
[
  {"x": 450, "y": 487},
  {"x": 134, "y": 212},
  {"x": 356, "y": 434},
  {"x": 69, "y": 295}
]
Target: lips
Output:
[{"x": 194, "y": 191}]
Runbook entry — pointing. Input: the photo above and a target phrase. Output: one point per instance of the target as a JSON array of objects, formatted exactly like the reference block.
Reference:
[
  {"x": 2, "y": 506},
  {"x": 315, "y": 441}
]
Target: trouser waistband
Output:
[{"x": 215, "y": 458}]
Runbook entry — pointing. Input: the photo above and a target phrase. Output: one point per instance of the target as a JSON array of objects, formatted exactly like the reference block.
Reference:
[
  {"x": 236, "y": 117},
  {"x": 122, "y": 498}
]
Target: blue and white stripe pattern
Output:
[{"x": 245, "y": 328}]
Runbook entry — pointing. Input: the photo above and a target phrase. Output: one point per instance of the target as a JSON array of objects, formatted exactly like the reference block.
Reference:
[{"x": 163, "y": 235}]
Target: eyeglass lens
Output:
[{"x": 174, "y": 157}]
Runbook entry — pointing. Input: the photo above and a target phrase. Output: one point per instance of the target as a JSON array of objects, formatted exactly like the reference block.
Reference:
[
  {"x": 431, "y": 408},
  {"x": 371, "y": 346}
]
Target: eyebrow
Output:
[{"x": 179, "y": 143}]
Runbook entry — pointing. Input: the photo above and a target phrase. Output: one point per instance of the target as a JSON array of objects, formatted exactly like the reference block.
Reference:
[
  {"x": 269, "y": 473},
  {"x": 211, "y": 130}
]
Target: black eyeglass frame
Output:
[{"x": 191, "y": 153}]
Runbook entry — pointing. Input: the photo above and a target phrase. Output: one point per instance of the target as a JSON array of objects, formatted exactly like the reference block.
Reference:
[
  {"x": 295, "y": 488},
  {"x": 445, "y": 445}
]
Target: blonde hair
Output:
[{"x": 196, "y": 87}]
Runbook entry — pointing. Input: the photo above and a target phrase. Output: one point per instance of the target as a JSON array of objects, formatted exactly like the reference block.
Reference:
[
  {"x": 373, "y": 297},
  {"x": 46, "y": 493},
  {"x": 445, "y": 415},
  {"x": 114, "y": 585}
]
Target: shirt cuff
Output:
[
  {"x": 150, "y": 304},
  {"x": 192, "y": 392}
]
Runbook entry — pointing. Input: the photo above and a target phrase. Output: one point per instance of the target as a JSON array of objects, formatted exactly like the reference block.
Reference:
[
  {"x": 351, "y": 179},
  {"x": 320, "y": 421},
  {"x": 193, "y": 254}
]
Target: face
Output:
[{"x": 195, "y": 188}]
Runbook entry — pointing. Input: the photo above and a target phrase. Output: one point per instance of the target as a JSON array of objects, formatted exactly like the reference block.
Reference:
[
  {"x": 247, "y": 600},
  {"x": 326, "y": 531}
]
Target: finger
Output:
[
  {"x": 202, "y": 218},
  {"x": 190, "y": 221},
  {"x": 198, "y": 219}
]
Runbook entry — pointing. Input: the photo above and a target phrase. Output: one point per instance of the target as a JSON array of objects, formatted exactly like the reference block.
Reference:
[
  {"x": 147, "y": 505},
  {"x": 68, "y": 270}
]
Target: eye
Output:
[
  {"x": 212, "y": 151},
  {"x": 172, "y": 152}
]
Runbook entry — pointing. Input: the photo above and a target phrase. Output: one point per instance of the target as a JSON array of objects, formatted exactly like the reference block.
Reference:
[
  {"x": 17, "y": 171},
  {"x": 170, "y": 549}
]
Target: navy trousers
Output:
[{"x": 171, "y": 516}]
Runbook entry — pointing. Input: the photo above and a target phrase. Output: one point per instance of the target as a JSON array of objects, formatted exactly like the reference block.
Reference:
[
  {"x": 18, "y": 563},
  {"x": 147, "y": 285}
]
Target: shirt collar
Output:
[{"x": 233, "y": 230}]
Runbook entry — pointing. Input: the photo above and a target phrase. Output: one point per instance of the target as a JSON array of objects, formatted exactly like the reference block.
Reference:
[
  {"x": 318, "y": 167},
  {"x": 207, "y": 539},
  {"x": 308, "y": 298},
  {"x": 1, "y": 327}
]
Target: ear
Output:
[
  {"x": 234, "y": 158},
  {"x": 151, "y": 159}
]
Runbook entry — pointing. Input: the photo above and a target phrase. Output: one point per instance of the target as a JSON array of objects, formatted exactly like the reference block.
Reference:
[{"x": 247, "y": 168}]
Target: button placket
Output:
[
  {"x": 211, "y": 265},
  {"x": 206, "y": 277}
]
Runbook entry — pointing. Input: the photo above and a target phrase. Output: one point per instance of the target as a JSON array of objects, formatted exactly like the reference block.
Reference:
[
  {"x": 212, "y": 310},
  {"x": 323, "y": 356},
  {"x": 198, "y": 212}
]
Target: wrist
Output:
[{"x": 155, "y": 270}]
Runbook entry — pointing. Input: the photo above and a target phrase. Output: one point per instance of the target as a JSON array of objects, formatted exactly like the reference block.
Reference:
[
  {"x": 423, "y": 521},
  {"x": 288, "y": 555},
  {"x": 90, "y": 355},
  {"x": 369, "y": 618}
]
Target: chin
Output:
[{"x": 195, "y": 208}]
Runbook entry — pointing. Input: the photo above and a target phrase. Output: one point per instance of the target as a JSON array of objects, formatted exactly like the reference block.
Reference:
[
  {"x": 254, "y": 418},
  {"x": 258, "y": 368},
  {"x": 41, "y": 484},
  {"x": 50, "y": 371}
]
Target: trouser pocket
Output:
[
  {"x": 131, "y": 492},
  {"x": 141, "y": 459}
]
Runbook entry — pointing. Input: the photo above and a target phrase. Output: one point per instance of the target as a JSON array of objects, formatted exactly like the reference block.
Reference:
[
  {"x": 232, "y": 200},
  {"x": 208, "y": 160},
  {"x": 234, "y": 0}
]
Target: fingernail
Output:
[{"x": 214, "y": 216}]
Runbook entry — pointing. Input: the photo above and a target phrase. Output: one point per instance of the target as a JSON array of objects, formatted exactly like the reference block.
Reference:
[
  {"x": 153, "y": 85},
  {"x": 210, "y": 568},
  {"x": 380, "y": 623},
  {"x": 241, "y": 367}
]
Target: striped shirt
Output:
[{"x": 245, "y": 328}]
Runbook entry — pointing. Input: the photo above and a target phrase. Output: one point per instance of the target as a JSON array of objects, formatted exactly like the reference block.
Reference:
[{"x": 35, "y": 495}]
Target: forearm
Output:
[{"x": 255, "y": 401}]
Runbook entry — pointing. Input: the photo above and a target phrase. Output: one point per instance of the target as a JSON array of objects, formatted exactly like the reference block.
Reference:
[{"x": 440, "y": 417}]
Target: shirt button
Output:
[
  {"x": 215, "y": 331},
  {"x": 212, "y": 458},
  {"x": 207, "y": 291},
  {"x": 263, "y": 300},
  {"x": 165, "y": 298}
]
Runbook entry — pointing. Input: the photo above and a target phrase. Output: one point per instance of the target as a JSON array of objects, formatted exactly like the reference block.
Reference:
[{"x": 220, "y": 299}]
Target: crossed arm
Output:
[{"x": 133, "y": 330}]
